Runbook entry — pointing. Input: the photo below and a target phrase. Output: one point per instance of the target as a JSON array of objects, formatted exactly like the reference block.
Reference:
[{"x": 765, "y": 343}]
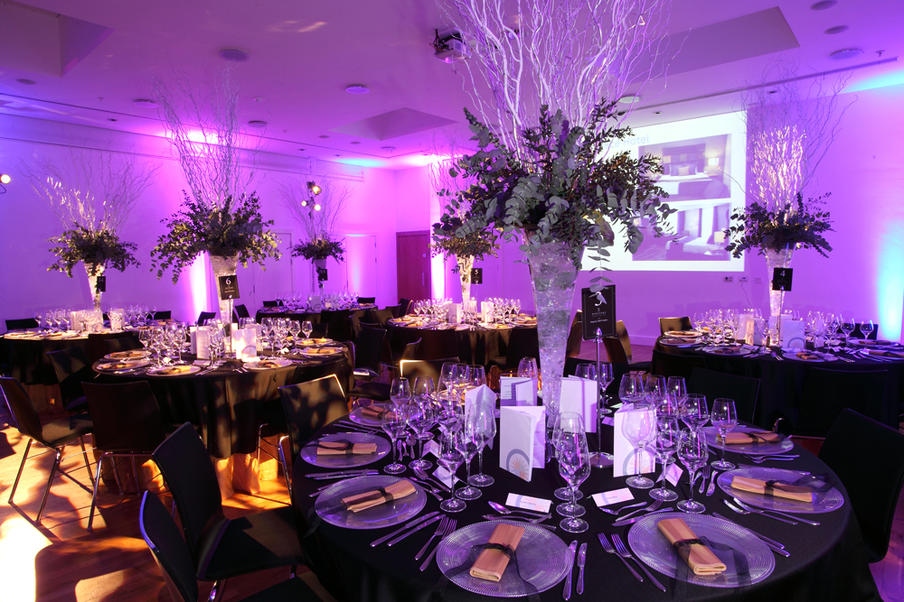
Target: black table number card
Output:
[
  {"x": 229, "y": 286},
  {"x": 101, "y": 285},
  {"x": 476, "y": 275},
  {"x": 781, "y": 279},
  {"x": 598, "y": 312},
  {"x": 321, "y": 274}
]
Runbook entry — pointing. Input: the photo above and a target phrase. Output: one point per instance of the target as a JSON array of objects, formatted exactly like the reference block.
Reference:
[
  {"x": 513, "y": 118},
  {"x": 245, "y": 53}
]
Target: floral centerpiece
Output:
[
  {"x": 318, "y": 250},
  {"x": 797, "y": 224},
  {"x": 466, "y": 249}
]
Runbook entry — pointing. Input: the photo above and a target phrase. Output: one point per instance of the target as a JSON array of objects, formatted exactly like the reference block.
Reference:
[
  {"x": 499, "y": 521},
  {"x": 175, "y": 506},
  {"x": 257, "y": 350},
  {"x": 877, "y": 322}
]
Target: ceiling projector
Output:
[{"x": 449, "y": 48}]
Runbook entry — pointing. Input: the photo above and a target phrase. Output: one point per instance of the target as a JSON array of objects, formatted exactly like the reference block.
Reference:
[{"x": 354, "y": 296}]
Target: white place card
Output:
[
  {"x": 626, "y": 461},
  {"x": 673, "y": 473},
  {"x": 432, "y": 448},
  {"x": 615, "y": 496},
  {"x": 526, "y": 502},
  {"x": 581, "y": 395},
  {"x": 200, "y": 338},
  {"x": 454, "y": 313},
  {"x": 486, "y": 311},
  {"x": 516, "y": 391},
  {"x": 117, "y": 319},
  {"x": 445, "y": 477},
  {"x": 522, "y": 439}
]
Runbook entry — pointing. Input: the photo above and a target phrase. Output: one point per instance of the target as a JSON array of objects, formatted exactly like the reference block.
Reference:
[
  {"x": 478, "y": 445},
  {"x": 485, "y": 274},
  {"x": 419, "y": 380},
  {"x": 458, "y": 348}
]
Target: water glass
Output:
[
  {"x": 668, "y": 434},
  {"x": 724, "y": 417},
  {"x": 693, "y": 453},
  {"x": 573, "y": 457}
]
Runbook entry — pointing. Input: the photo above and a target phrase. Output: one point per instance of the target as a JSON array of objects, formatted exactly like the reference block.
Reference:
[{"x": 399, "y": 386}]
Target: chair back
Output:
[
  {"x": 21, "y": 324},
  {"x": 169, "y": 550},
  {"x": 411, "y": 350},
  {"x": 827, "y": 392},
  {"x": 241, "y": 311},
  {"x": 868, "y": 457},
  {"x": 126, "y": 416},
  {"x": 20, "y": 408},
  {"x": 186, "y": 467},
  {"x": 380, "y": 316},
  {"x": 404, "y": 306},
  {"x": 310, "y": 405},
  {"x": 619, "y": 347},
  {"x": 369, "y": 348},
  {"x": 206, "y": 315},
  {"x": 744, "y": 390},
  {"x": 523, "y": 342},
  {"x": 366, "y": 300},
  {"x": 679, "y": 323},
  {"x": 71, "y": 367},
  {"x": 271, "y": 303},
  {"x": 412, "y": 369},
  {"x": 163, "y": 315},
  {"x": 100, "y": 345},
  {"x": 573, "y": 346}
]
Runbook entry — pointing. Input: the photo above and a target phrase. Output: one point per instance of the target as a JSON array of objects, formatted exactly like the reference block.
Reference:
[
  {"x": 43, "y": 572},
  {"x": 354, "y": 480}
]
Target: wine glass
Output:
[
  {"x": 307, "y": 328},
  {"x": 424, "y": 419},
  {"x": 693, "y": 453},
  {"x": 294, "y": 329},
  {"x": 393, "y": 424},
  {"x": 450, "y": 459},
  {"x": 477, "y": 375},
  {"x": 561, "y": 493},
  {"x": 867, "y": 327},
  {"x": 527, "y": 368},
  {"x": 676, "y": 389},
  {"x": 639, "y": 428},
  {"x": 482, "y": 419},
  {"x": 847, "y": 327},
  {"x": 630, "y": 390},
  {"x": 667, "y": 436},
  {"x": 693, "y": 411},
  {"x": 654, "y": 389},
  {"x": 724, "y": 417},
  {"x": 574, "y": 466},
  {"x": 400, "y": 391},
  {"x": 467, "y": 441}
]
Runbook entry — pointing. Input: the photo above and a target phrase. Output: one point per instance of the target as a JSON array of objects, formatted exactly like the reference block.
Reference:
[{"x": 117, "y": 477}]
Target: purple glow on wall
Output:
[{"x": 197, "y": 284}]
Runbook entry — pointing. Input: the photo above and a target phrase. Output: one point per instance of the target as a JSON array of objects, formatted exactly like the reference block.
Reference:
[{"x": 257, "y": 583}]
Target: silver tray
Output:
[
  {"x": 309, "y": 451},
  {"x": 761, "y": 449},
  {"x": 829, "y": 501},
  {"x": 330, "y": 508}
]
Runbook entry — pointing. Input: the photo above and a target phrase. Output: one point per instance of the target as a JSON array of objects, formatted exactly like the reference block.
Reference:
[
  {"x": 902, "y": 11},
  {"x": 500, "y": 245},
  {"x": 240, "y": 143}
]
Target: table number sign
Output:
[
  {"x": 101, "y": 285},
  {"x": 228, "y": 286},
  {"x": 598, "y": 312},
  {"x": 476, "y": 275},
  {"x": 781, "y": 279},
  {"x": 626, "y": 462},
  {"x": 522, "y": 439}
]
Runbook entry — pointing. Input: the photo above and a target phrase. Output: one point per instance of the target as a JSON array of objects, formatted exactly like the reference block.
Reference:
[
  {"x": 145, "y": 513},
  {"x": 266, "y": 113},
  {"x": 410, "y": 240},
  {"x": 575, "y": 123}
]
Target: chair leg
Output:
[
  {"x": 53, "y": 469},
  {"x": 96, "y": 485},
  {"x": 284, "y": 462},
  {"x": 81, "y": 440},
  {"x": 260, "y": 429},
  {"x": 135, "y": 475},
  {"x": 216, "y": 592},
  {"x": 21, "y": 466}
]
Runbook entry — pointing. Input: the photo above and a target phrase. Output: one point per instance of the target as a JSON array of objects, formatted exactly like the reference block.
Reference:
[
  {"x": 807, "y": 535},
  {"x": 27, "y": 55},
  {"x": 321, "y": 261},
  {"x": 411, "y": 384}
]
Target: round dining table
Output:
[
  {"x": 336, "y": 320},
  {"x": 824, "y": 562},
  {"x": 228, "y": 401}
]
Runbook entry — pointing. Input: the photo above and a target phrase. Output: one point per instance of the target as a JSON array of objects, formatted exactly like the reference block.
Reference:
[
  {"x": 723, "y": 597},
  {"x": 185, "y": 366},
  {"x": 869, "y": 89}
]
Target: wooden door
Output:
[{"x": 413, "y": 264}]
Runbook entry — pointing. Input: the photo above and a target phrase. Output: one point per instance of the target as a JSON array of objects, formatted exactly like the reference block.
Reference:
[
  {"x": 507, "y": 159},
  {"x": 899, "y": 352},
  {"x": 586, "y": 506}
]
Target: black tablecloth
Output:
[
  {"x": 827, "y": 562},
  {"x": 481, "y": 346},
  {"x": 337, "y": 320},
  {"x": 26, "y": 359},
  {"x": 787, "y": 385},
  {"x": 229, "y": 404}
]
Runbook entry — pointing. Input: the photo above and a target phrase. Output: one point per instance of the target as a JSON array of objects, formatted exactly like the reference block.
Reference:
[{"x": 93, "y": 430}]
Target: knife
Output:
[
  {"x": 631, "y": 521},
  {"x": 582, "y": 560},
  {"x": 572, "y": 547},
  {"x": 423, "y": 525},
  {"x": 404, "y": 527}
]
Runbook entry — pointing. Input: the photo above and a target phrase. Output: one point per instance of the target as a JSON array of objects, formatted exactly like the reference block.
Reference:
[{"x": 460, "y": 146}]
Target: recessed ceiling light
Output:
[
  {"x": 257, "y": 123},
  {"x": 355, "y": 142},
  {"x": 338, "y": 155},
  {"x": 357, "y": 89},
  {"x": 835, "y": 30},
  {"x": 387, "y": 148},
  {"x": 145, "y": 103},
  {"x": 629, "y": 99},
  {"x": 233, "y": 54},
  {"x": 657, "y": 112},
  {"x": 846, "y": 53},
  {"x": 323, "y": 136},
  {"x": 773, "y": 91},
  {"x": 823, "y": 4},
  {"x": 112, "y": 119},
  {"x": 26, "y": 81},
  {"x": 300, "y": 148}
]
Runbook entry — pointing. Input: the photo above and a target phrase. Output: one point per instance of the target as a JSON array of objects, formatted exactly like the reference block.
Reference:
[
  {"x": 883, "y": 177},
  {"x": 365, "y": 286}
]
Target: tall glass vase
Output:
[
  {"x": 224, "y": 266},
  {"x": 465, "y": 264},
  {"x": 776, "y": 259},
  {"x": 552, "y": 281},
  {"x": 321, "y": 275},
  {"x": 94, "y": 271}
]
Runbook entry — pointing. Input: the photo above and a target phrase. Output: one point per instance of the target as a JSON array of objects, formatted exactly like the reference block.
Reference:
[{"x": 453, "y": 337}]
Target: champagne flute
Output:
[
  {"x": 693, "y": 453},
  {"x": 574, "y": 466},
  {"x": 484, "y": 423},
  {"x": 724, "y": 417},
  {"x": 667, "y": 436}
]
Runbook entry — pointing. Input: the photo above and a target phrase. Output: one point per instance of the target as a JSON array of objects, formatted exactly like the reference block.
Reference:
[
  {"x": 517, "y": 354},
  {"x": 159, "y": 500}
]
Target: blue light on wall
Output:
[{"x": 890, "y": 280}]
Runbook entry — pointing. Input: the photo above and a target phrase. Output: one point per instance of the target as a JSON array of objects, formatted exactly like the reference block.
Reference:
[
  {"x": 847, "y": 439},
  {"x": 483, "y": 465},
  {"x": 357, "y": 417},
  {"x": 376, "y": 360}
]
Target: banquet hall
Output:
[{"x": 451, "y": 300}]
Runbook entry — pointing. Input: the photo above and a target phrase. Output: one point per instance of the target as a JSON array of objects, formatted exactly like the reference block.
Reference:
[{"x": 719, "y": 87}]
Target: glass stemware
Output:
[
  {"x": 676, "y": 389},
  {"x": 483, "y": 421},
  {"x": 393, "y": 424},
  {"x": 640, "y": 429},
  {"x": 450, "y": 459},
  {"x": 694, "y": 412},
  {"x": 573, "y": 457},
  {"x": 693, "y": 453},
  {"x": 467, "y": 442},
  {"x": 423, "y": 419},
  {"x": 724, "y": 417},
  {"x": 560, "y": 493},
  {"x": 667, "y": 436},
  {"x": 307, "y": 328},
  {"x": 866, "y": 328},
  {"x": 630, "y": 389}
]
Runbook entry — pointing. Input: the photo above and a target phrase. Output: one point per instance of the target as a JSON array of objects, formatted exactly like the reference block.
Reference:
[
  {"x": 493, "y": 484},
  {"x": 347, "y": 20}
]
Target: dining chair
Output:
[
  {"x": 272, "y": 303},
  {"x": 54, "y": 435},
  {"x": 744, "y": 390},
  {"x": 221, "y": 547},
  {"x": 100, "y": 344},
  {"x": 173, "y": 556},
  {"x": 363, "y": 383},
  {"x": 366, "y": 300},
  {"x": 369, "y": 352},
  {"x": 404, "y": 306},
  {"x": 868, "y": 457},
  {"x": 21, "y": 324},
  {"x": 163, "y": 315},
  {"x": 677, "y": 323},
  {"x": 206, "y": 315},
  {"x": 241, "y": 311},
  {"x": 127, "y": 424},
  {"x": 412, "y": 369},
  {"x": 826, "y": 392},
  {"x": 380, "y": 316},
  {"x": 573, "y": 345},
  {"x": 523, "y": 342},
  {"x": 72, "y": 368}
]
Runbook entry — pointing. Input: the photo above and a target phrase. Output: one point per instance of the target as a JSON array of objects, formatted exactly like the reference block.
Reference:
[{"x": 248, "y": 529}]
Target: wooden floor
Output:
[{"x": 60, "y": 560}]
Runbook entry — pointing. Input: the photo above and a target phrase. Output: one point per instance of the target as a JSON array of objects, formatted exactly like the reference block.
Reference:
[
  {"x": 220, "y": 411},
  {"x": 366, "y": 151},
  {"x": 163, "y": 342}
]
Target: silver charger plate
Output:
[
  {"x": 728, "y": 351},
  {"x": 542, "y": 560},
  {"x": 330, "y": 508},
  {"x": 831, "y": 500},
  {"x": 309, "y": 451},
  {"x": 357, "y": 416},
  {"x": 760, "y": 449},
  {"x": 651, "y": 547}
]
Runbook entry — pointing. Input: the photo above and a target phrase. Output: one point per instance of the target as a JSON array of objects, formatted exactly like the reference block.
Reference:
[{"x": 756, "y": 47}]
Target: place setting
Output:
[{"x": 345, "y": 450}]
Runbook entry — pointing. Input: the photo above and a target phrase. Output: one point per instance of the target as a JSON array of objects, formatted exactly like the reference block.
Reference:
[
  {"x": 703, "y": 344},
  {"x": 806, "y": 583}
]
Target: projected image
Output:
[{"x": 693, "y": 169}]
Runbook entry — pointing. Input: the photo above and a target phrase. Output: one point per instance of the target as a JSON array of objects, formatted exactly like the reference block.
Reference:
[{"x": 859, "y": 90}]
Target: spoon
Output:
[{"x": 503, "y": 510}]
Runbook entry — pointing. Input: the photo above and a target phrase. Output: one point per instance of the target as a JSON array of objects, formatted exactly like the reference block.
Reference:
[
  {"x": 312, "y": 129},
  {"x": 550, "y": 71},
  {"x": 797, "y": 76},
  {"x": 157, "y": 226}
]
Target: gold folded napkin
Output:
[
  {"x": 693, "y": 551},
  {"x": 885, "y": 353},
  {"x": 369, "y": 499},
  {"x": 803, "y": 355},
  {"x": 173, "y": 370},
  {"x": 266, "y": 364},
  {"x": 774, "y": 489},
  {"x": 751, "y": 437},
  {"x": 492, "y": 561},
  {"x": 345, "y": 448},
  {"x": 115, "y": 365}
]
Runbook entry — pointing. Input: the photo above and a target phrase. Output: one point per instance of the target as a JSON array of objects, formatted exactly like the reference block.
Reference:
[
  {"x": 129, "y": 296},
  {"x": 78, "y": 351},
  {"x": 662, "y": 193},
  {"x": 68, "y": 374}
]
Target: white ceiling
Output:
[{"x": 302, "y": 55}]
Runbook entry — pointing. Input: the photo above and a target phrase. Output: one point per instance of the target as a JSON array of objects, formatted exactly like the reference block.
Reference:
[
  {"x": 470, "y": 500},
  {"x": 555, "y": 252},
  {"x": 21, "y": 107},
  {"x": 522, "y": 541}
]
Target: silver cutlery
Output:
[
  {"x": 572, "y": 549},
  {"x": 607, "y": 547},
  {"x": 582, "y": 560},
  {"x": 428, "y": 487},
  {"x": 703, "y": 479},
  {"x": 428, "y": 477},
  {"x": 506, "y": 510},
  {"x": 739, "y": 510},
  {"x": 615, "y": 511},
  {"x": 634, "y": 519},
  {"x": 624, "y": 552},
  {"x": 747, "y": 506},
  {"x": 711, "y": 489},
  {"x": 450, "y": 527},
  {"x": 405, "y": 527},
  {"x": 325, "y": 477},
  {"x": 518, "y": 519},
  {"x": 527, "y": 519},
  {"x": 774, "y": 545},
  {"x": 443, "y": 524},
  {"x": 414, "y": 530},
  {"x": 649, "y": 508}
]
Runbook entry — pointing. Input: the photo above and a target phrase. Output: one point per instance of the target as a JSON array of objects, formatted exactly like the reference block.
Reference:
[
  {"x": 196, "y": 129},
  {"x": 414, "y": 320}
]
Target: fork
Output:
[
  {"x": 436, "y": 533},
  {"x": 615, "y": 511},
  {"x": 607, "y": 547},
  {"x": 761, "y": 459},
  {"x": 450, "y": 527},
  {"x": 649, "y": 508},
  {"x": 624, "y": 552}
]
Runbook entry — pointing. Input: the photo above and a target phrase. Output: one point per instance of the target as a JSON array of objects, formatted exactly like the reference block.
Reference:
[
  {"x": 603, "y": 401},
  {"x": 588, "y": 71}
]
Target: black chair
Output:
[
  {"x": 162, "y": 315},
  {"x": 221, "y": 547},
  {"x": 127, "y": 424},
  {"x": 827, "y": 392},
  {"x": 100, "y": 345},
  {"x": 404, "y": 306},
  {"x": 21, "y": 324},
  {"x": 573, "y": 346},
  {"x": 410, "y": 352},
  {"x": 379, "y": 316},
  {"x": 743, "y": 389},
  {"x": 868, "y": 457},
  {"x": 369, "y": 352},
  {"x": 363, "y": 383},
  {"x": 679, "y": 323},
  {"x": 366, "y": 300},
  {"x": 523, "y": 342},
  {"x": 412, "y": 369},
  {"x": 72, "y": 368},
  {"x": 173, "y": 556},
  {"x": 55, "y": 434},
  {"x": 308, "y": 406},
  {"x": 858, "y": 334},
  {"x": 206, "y": 315},
  {"x": 619, "y": 349},
  {"x": 271, "y": 304},
  {"x": 241, "y": 311}
]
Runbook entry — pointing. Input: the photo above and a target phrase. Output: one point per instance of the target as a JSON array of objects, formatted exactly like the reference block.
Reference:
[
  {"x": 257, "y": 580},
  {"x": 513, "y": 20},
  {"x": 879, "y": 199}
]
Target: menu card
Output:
[
  {"x": 486, "y": 311},
  {"x": 517, "y": 391},
  {"x": 200, "y": 338},
  {"x": 117, "y": 319},
  {"x": 626, "y": 462},
  {"x": 793, "y": 336},
  {"x": 581, "y": 395},
  {"x": 479, "y": 396},
  {"x": 244, "y": 342},
  {"x": 522, "y": 439},
  {"x": 454, "y": 313}
]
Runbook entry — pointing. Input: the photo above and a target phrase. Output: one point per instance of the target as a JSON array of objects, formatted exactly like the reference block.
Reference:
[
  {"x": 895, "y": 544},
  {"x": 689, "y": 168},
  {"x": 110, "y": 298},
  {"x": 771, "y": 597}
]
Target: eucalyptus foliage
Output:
[
  {"x": 569, "y": 189},
  {"x": 797, "y": 224},
  {"x": 94, "y": 247},
  {"x": 474, "y": 244},
  {"x": 233, "y": 228},
  {"x": 319, "y": 248}
]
